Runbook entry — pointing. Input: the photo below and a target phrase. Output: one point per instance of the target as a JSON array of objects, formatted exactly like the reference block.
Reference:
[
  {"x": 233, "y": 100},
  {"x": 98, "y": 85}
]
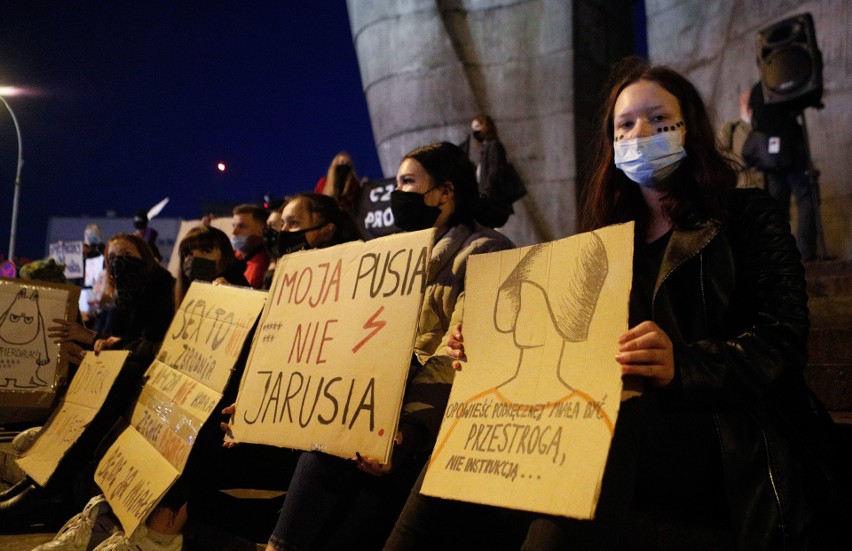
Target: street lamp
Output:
[{"x": 17, "y": 194}]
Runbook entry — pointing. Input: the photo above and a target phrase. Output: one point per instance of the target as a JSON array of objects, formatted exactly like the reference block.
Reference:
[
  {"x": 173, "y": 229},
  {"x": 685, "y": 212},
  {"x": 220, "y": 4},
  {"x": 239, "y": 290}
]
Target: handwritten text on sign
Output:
[
  {"x": 85, "y": 396},
  {"x": 329, "y": 362},
  {"x": 182, "y": 389},
  {"x": 29, "y": 361},
  {"x": 531, "y": 415},
  {"x": 133, "y": 477},
  {"x": 208, "y": 332},
  {"x": 70, "y": 255},
  {"x": 171, "y": 410}
]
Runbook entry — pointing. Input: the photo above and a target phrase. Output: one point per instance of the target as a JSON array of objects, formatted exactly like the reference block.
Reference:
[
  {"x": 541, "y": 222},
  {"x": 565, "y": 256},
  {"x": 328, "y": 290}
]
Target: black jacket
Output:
[
  {"x": 142, "y": 325},
  {"x": 731, "y": 297}
]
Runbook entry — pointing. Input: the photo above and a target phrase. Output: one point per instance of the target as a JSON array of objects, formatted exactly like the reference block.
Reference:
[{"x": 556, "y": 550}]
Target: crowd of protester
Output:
[{"x": 725, "y": 433}]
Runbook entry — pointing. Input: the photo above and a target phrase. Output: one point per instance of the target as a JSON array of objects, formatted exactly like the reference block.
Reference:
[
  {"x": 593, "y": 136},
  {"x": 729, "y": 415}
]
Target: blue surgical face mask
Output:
[
  {"x": 246, "y": 243},
  {"x": 645, "y": 160}
]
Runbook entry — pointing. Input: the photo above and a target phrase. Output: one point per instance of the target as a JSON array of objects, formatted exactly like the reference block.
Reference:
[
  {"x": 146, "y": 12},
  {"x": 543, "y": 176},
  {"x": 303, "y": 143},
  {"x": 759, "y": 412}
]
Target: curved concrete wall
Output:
[
  {"x": 428, "y": 67},
  {"x": 713, "y": 43}
]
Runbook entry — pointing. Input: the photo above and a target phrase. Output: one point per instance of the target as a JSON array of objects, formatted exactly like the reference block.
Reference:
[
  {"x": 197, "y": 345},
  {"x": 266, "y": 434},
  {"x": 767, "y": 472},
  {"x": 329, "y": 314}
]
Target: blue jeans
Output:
[{"x": 330, "y": 504}]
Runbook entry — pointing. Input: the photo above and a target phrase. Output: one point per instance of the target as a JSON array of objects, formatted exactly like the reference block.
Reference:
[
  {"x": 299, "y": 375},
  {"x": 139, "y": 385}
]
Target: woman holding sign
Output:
[
  {"x": 334, "y": 502},
  {"x": 206, "y": 254},
  {"x": 725, "y": 438},
  {"x": 140, "y": 295}
]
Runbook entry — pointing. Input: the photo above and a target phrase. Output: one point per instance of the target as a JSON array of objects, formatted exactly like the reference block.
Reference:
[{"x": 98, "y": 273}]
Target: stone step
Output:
[
  {"x": 816, "y": 270},
  {"x": 829, "y": 372},
  {"x": 830, "y": 345},
  {"x": 832, "y": 383},
  {"x": 830, "y": 311},
  {"x": 830, "y": 293},
  {"x": 829, "y": 286}
]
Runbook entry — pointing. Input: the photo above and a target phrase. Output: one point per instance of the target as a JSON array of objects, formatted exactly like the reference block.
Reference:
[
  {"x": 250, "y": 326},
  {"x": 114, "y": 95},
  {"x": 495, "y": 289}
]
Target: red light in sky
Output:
[{"x": 221, "y": 167}]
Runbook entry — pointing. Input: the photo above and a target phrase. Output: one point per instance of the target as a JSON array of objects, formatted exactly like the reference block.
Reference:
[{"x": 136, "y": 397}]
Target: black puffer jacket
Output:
[{"x": 732, "y": 299}]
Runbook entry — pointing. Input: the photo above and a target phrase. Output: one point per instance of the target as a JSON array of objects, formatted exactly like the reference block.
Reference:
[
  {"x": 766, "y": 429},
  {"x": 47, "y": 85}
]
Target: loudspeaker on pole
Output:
[{"x": 790, "y": 63}]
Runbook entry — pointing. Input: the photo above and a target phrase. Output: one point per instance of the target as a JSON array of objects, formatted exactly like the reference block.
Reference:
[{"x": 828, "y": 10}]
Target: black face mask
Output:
[
  {"x": 202, "y": 269},
  {"x": 410, "y": 211},
  {"x": 140, "y": 224},
  {"x": 294, "y": 241},
  {"x": 270, "y": 240},
  {"x": 477, "y": 135},
  {"x": 128, "y": 274}
]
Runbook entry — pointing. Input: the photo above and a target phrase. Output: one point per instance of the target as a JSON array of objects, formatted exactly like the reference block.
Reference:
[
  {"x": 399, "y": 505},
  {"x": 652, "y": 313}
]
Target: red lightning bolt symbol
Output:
[{"x": 375, "y": 325}]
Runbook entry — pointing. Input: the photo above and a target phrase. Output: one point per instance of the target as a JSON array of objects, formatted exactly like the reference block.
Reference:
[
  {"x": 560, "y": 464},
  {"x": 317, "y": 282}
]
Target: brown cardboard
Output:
[
  {"x": 133, "y": 477},
  {"x": 532, "y": 412},
  {"x": 329, "y": 361},
  {"x": 31, "y": 366},
  {"x": 183, "y": 386},
  {"x": 85, "y": 397}
]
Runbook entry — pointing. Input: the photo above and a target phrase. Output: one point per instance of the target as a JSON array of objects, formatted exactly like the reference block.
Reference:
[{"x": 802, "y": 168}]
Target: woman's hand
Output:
[
  {"x": 455, "y": 346},
  {"x": 105, "y": 344},
  {"x": 371, "y": 465},
  {"x": 69, "y": 331},
  {"x": 75, "y": 352},
  {"x": 646, "y": 350},
  {"x": 226, "y": 428}
]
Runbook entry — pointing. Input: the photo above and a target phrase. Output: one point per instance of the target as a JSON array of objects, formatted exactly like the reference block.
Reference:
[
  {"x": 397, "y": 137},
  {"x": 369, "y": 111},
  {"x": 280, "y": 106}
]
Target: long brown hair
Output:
[
  {"x": 698, "y": 189},
  {"x": 489, "y": 129},
  {"x": 141, "y": 247}
]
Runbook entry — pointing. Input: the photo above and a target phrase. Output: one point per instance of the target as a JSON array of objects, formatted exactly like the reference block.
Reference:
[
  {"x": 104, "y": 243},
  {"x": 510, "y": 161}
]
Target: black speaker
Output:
[{"x": 790, "y": 63}]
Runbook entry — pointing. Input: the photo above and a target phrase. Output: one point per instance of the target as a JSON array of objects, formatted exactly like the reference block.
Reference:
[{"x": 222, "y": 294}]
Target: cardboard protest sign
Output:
[
  {"x": 95, "y": 273},
  {"x": 532, "y": 412},
  {"x": 94, "y": 284},
  {"x": 209, "y": 330},
  {"x": 184, "y": 384},
  {"x": 171, "y": 410},
  {"x": 85, "y": 396},
  {"x": 331, "y": 354},
  {"x": 374, "y": 207},
  {"x": 69, "y": 254},
  {"x": 133, "y": 478},
  {"x": 32, "y": 366}
]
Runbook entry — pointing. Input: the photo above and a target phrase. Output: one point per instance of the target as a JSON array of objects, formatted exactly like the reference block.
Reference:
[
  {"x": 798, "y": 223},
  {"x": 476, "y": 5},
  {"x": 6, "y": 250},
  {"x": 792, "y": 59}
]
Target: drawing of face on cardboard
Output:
[
  {"x": 544, "y": 311},
  {"x": 22, "y": 326},
  {"x": 20, "y": 323}
]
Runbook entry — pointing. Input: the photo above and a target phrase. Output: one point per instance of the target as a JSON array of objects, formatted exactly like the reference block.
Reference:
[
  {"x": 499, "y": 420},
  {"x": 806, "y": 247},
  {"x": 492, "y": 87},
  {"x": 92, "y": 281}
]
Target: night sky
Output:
[{"x": 137, "y": 101}]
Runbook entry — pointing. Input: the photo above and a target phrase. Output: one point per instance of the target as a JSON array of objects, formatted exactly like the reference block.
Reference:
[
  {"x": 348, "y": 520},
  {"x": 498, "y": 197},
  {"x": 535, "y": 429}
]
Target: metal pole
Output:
[{"x": 17, "y": 194}]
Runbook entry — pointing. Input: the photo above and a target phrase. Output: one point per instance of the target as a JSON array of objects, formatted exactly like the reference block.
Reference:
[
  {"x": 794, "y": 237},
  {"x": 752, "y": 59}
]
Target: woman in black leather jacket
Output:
[
  {"x": 725, "y": 436},
  {"x": 726, "y": 433}
]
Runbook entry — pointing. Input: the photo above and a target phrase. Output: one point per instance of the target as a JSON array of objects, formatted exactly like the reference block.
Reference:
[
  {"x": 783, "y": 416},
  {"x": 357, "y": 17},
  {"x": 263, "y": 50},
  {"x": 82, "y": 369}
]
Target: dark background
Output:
[{"x": 136, "y": 101}]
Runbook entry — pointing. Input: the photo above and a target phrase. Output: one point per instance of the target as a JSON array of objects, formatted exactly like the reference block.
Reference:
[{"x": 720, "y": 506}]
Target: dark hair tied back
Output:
[{"x": 447, "y": 162}]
